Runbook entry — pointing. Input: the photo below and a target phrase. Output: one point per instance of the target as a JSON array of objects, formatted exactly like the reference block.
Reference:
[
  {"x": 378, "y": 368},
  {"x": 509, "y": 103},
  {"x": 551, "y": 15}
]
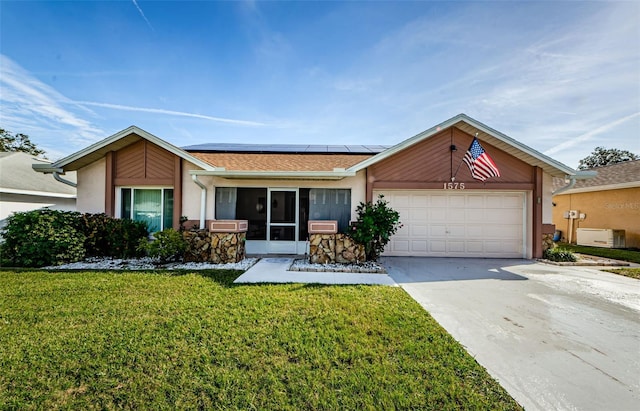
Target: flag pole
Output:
[{"x": 461, "y": 161}]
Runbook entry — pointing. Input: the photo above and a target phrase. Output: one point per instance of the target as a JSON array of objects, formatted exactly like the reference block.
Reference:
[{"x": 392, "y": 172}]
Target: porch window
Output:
[
  {"x": 324, "y": 204},
  {"x": 151, "y": 205},
  {"x": 239, "y": 203}
]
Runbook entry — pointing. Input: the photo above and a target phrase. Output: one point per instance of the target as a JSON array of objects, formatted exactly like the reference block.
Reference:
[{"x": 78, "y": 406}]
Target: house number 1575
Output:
[{"x": 453, "y": 186}]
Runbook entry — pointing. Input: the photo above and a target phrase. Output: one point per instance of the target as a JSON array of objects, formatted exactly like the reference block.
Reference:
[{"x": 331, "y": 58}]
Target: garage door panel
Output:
[
  {"x": 458, "y": 224},
  {"x": 419, "y": 230},
  {"x": 420, "y": 201},
  {"x": 455, "y": 246},
  {"x": 438, "y": 230},
  {"x": 438, "y": 246},
  {"x": 417, "y": 214},
  {"x": 437, "y": 214},
  {"x": 419, "y": 246},
  {"x": 457, "y": 201},
  {"x": 475, "y": 246}
]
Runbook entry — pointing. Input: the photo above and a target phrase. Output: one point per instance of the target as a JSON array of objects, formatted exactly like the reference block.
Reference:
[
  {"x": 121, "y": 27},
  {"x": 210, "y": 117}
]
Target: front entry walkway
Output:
[
  {"x": 274, "y": 270},
  {"x": 556, "y": 338}
]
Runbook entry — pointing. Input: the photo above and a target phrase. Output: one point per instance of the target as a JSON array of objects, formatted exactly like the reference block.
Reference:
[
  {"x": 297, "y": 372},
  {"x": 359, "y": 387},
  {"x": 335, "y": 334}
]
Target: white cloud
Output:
[
  {"x": 135, "y": 3},
  {"x": 28, "y": 103},
  {"x": 171, "y": 113}
]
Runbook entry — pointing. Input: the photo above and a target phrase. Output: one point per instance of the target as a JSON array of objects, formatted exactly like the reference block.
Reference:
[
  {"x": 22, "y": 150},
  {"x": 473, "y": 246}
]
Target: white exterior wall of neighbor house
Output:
[
  {"x": 191, "y": 192},
  {"x": 92, "y": 187}
]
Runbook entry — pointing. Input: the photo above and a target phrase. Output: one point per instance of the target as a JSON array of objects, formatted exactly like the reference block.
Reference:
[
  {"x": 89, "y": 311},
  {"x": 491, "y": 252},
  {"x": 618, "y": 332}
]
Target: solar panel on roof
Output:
[{"x": 286, "y": 148}]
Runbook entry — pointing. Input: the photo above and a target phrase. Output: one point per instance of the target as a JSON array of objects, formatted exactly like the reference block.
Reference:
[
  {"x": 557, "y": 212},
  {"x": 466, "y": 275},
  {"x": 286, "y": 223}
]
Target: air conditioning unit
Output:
[{"x": 600, "y": 237}]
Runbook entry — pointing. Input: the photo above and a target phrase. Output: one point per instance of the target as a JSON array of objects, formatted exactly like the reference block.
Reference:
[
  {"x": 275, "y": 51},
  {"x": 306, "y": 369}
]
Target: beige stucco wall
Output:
[
  {"x": 547, "y": 199},
  {"x": 92, "y": 187},
  {"x": 191, "y": 192},
  {"x": 616, "y": 209}
]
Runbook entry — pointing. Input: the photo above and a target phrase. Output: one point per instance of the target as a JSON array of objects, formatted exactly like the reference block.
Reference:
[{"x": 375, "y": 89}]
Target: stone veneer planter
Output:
[
  {"x": 334, "y": 248},
  {"x": 218, "y": 248}
]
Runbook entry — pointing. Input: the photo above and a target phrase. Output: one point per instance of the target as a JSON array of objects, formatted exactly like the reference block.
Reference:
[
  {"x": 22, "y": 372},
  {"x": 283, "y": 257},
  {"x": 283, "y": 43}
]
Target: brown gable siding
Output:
[
  {"x": 431, "y": 161},
  {"x": 280, "y": 162},
  {"x": 144, "y": 163}
]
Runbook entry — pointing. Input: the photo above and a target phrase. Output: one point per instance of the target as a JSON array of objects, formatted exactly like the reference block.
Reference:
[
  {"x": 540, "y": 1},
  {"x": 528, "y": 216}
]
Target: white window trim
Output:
[{"x": 118, "y": 210}]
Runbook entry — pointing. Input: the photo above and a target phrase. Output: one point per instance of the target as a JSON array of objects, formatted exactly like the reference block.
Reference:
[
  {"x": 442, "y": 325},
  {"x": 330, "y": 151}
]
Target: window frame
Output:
[{"x": 119, "y": 197}]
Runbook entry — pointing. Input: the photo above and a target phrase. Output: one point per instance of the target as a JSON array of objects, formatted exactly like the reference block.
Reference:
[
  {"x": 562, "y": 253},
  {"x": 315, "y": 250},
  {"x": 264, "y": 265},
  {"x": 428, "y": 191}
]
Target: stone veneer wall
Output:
[
  {"x": 334, "y": 248},
  {"x": 218, "y": 248}
]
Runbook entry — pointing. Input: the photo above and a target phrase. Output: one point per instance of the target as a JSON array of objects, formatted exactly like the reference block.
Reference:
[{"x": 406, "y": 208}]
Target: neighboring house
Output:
[
  {"x": 23, "y": 189},
  {"x": 611, "y": 200},
  {"x": 279, "y": 188}
]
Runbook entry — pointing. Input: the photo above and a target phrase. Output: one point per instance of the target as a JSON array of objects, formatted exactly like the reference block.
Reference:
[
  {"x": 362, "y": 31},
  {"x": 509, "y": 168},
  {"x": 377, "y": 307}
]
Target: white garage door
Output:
[{"x": 439, "y": 223}]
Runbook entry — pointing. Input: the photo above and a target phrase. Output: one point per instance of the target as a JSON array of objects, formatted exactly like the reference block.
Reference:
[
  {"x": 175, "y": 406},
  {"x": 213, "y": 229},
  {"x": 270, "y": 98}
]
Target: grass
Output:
[
  {"x": 86, "y": 340},
  {"x": 632, "y": 272},
  {"x": 630, "y": 255}
]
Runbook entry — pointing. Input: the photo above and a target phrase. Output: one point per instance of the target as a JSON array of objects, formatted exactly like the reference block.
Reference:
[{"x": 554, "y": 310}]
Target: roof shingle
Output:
[{"x": 280, "y": 162}]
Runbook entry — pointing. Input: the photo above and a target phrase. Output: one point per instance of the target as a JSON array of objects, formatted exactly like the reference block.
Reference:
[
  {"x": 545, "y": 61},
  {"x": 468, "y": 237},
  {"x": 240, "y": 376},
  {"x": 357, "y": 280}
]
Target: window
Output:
[
  {"x": 244, "y": 204},
  {"x": 330, "y": 204},
  {"x": 152, "y": 205}
]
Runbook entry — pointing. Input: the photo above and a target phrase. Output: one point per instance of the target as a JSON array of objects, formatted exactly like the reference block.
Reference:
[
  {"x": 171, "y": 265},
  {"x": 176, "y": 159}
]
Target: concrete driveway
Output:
[{"x": 557, "y": 338}]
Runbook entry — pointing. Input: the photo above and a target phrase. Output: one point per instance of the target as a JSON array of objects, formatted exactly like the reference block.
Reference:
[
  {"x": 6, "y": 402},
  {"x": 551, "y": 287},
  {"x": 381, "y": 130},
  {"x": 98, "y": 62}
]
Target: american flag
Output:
[{"x": 479, "y": 162}]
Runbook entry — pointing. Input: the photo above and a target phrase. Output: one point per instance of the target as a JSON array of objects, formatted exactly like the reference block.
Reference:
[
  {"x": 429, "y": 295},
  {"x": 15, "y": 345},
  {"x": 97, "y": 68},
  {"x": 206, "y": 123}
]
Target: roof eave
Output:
[
  {"x": 552, "y": 166},
  {"x": 275, "y": 175},
  {"x": 100, "y": 148}
]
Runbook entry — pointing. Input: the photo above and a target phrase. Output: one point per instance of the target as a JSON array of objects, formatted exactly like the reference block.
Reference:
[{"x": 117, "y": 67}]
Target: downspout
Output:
[
  {"x": 580, "y": 175},
  {"x": 203, "y": 199},
  {"x": 56, "y": 175},
  {"x": 572, "y": 182}
]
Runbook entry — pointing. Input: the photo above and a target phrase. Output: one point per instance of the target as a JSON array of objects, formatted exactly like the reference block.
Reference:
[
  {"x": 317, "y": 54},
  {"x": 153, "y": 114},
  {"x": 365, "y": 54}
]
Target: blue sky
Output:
[{"x": 561, "y": 77}]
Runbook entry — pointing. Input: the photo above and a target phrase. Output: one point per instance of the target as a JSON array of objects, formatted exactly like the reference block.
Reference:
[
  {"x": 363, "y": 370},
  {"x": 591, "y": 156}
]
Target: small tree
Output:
[
  {"x": 376, "y": 223},
  {"x": 18, "y": 142},
  {"x": 605, "y": 156}
]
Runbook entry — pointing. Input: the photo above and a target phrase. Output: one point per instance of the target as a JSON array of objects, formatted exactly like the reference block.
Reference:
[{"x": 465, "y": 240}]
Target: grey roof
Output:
[
  {"x": 620, "y": 175},
  {"x": 286, "y": 148},
  {"x": 18, "y": 176}
]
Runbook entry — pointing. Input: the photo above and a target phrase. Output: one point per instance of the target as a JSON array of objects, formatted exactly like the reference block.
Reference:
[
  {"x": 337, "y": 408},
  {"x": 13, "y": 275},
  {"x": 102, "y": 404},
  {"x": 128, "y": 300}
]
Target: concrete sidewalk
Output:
[{"x": 274, "y": 270}]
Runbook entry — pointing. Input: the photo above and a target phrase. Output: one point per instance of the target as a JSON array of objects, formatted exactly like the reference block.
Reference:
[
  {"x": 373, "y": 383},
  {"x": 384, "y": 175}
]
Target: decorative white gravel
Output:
[
  {"x": 365, "y": 267},
  {"x": 148, "y": 264}
]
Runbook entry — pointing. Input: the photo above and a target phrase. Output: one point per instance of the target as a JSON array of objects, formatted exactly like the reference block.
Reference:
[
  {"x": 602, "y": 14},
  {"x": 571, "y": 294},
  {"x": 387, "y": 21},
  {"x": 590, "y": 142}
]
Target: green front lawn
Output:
[
  {"x": 627, "y": 272},
  {"x": 83, "y": 340},
  {"x": 629, "y": 255}
]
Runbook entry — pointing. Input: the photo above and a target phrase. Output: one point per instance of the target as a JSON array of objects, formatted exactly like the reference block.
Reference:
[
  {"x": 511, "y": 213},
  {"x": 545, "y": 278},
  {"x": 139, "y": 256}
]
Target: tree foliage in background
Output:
[
  {"x": 605, "y": 156},
  {"x": 376, "y": 223},
  {"x": 18, "y": 142}
]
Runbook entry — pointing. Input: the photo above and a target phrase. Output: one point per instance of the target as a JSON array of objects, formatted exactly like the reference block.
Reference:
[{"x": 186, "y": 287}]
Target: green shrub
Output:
[
  {"x": 559, "y": 255},
  {"x": 167, "y": 245},
  {"x": 42, "y": 237},
  {"x": 51, "y": 237},
  {"x": 112, "y": 237},
  {"x": 374, "y": 227}
]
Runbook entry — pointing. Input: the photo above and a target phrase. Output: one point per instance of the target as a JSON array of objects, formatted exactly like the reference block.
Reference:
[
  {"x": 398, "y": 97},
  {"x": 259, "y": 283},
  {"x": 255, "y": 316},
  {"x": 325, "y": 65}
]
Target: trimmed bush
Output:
[
  {"x": 112, "y": 237},
  {"x": 51, "y": 237},
  {"x": 42, "y": 237},
  {"x": 376, "y": 223},
  {"x": 167, "y": 245},
  {"x": 559, "y": 255}
]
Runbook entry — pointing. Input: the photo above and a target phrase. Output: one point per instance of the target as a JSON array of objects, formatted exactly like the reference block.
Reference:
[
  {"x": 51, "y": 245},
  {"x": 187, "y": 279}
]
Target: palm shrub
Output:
[
  {"x": 375, "y": 225},
  {"x": 559, "y": 255}
]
